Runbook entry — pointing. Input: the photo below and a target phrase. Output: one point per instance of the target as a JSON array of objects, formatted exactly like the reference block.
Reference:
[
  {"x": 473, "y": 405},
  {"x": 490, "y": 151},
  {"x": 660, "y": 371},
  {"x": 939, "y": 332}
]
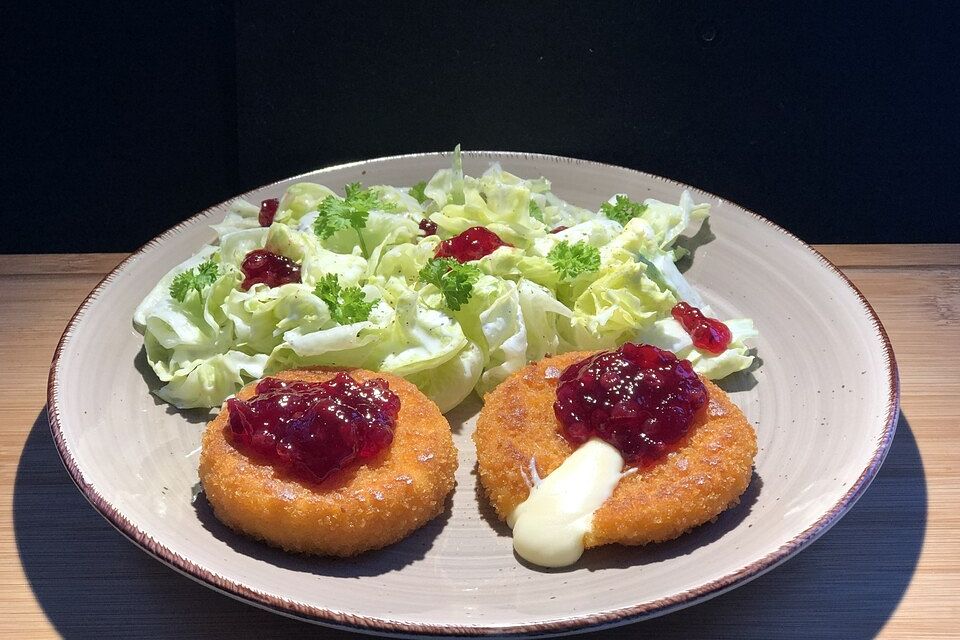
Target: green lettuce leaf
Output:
[
  {"x": 300, "y": 200},
  {"x": 208, "y": 382},
  {"x": 452, "y": 381},
  {"x": 668, "y": 334},
  {"x": 215, "y": 337}
]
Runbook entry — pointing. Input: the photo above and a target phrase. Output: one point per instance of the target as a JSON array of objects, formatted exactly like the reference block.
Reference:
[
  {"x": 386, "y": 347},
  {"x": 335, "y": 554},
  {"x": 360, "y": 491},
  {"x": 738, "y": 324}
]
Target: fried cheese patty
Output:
[
  {"x": 365, "y": 506},
  {"x": 703, "y": 477}
]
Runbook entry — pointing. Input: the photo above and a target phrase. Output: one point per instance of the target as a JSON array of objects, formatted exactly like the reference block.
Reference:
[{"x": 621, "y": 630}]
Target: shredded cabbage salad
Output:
[{"x": 607, "y": 278}]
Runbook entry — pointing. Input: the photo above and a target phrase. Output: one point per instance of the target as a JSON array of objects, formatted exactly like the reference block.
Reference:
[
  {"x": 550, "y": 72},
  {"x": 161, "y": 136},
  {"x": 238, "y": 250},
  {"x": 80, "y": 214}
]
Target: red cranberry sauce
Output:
[
  {"x": 315, "y": 429},
  {"x": 708, "y": 334},
  {"x": 269, "y": 268},
  {"x": 428, "y": 226},
  {"x": 638, "y": 398},
  {"x": 472, "y": 244},
  {"x": 268, "y": 209}
]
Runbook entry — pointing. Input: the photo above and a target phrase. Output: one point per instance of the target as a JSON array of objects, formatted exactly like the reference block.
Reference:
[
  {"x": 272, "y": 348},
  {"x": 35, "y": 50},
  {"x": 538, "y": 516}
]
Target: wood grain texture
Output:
[
  {"x": 884, "y": 256},
  {"x": 890, "y": 568}
]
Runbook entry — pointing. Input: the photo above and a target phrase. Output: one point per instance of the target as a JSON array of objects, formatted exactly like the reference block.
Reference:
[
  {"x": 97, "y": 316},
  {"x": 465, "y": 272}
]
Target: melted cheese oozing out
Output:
[{"x": 549, "y": 526}]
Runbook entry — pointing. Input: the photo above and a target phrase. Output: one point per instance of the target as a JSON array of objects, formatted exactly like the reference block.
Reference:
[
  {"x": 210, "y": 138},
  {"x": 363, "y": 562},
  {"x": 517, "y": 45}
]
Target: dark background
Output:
[{"x": 837, "y": 120}]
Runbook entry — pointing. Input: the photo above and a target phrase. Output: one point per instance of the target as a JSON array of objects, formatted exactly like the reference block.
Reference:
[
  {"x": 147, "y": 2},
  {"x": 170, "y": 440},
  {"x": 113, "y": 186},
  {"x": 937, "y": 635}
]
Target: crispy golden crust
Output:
[
  {"x": 707, "y": 474},
  {"x": 366, "y": 507}
]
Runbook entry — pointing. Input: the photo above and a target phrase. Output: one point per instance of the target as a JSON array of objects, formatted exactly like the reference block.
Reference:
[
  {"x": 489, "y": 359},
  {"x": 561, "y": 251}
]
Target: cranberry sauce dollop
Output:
[
  {"x": 639, "y": 398},
  {"x": 269, "y": 268},
  {"x": 708, "y": 334},
  {"x": 268, "y": 209},
  {"x": 315, "y": 429},
  {"x": 428, "y": 226},
  {"x": 472, "y": 244}
]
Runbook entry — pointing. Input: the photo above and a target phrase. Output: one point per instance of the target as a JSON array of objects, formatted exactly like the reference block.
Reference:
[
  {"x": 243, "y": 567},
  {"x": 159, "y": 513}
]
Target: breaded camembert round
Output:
[
  {"x": 367, "y": 505},
  {"x": 705, "y": 474}
]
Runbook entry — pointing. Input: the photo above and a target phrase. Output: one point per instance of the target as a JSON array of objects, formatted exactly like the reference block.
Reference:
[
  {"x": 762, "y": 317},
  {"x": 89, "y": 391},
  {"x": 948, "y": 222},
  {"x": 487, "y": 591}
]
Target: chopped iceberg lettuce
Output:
[{"x": 519, "y": 309}]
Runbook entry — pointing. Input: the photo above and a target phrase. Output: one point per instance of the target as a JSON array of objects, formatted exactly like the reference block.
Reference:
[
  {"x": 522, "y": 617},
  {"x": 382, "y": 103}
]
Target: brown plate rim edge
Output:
[{"x": 585, "y": 623}]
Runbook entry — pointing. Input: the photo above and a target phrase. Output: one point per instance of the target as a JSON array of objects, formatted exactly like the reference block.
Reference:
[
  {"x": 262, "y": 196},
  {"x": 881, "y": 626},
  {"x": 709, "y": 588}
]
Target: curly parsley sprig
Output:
[
  {"x": 571, "y": 260},
  {"x": 347, "y": 304},
  {"x": 196, "y": 279},
  {"x": 535, "y": 211},
  {"x": 623, "y": 210},
  {"x": 351, "y": 212},
  {"x": 454, "y": 280},
  {"x": 417, "y": 191}
]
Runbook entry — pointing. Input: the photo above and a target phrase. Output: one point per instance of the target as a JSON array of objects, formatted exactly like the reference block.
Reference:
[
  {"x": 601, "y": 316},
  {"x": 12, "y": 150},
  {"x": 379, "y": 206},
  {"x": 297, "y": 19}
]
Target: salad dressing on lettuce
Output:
[{"x": 373, "y": 293}]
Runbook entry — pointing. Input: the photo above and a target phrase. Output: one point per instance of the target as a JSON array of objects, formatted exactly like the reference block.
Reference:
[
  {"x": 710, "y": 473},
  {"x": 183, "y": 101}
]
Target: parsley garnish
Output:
[
  {"x": 535, "y": 211},
  {"x": 346, "y": 304},
  {"x": 194, "y": 279},
  {"x": 349, "y": 213},
  {"x": 571, "y": 260},
  {"x": 417, "y": 192},
  {"x": 624, "y": 210},
  {"x": 454, "y": 280}
]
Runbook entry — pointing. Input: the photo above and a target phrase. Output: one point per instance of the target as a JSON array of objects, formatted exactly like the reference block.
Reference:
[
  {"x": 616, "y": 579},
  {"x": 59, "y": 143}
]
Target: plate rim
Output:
[{"x": 371, "y": 624}]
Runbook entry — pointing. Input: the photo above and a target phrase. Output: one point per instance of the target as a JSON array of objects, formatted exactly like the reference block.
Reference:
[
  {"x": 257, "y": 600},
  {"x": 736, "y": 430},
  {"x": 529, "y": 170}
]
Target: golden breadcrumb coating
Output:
[
  {"x": 703, "y": 477},
  {"x": 364, "y": 507}
]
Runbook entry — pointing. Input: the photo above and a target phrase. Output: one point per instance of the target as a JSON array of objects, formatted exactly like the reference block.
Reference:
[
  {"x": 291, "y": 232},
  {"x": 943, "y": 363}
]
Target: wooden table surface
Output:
[{"x": 890, "y": 568}]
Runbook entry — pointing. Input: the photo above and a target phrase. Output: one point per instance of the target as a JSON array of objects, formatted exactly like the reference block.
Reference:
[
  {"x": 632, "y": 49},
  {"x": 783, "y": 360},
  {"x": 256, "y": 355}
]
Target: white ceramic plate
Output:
[{"x": 824, "y": 403}]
